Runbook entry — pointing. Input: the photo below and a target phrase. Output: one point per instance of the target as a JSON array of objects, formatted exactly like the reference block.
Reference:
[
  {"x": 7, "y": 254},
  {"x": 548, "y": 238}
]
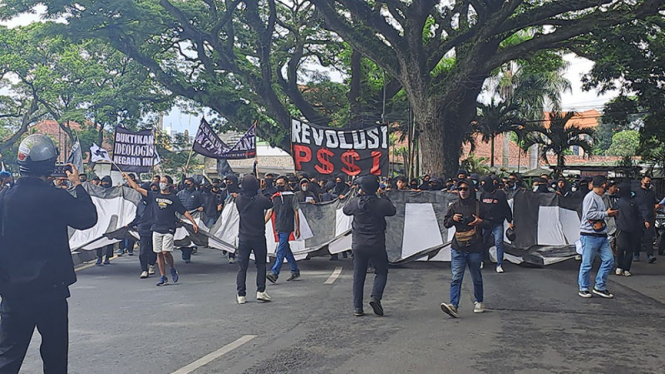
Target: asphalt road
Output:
[{"x": 535, "y": 323}]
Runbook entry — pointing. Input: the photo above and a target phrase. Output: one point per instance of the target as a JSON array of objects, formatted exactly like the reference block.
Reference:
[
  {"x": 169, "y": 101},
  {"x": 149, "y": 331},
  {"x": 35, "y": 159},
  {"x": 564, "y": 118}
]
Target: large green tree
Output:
[
  {"x": 87, "y": 82},
  {"x": 243, "y": 58},
  {"x": 408, "y": 39},
  {"x": 631, "y": 59}
]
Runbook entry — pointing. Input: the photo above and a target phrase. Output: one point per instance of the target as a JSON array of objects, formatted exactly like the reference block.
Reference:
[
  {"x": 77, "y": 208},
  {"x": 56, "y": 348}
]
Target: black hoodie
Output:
[
  {"x": 369, "y": 221},
  {"x": 495, "y": 202},
  {"x": 467, "y": 208},
  {"x": 629, "y": 218},
  {"x": 251, "y": 208}
]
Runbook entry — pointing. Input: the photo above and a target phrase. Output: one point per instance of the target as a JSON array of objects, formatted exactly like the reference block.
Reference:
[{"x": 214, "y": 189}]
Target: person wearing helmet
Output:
[{"x": 35, "y": 257}]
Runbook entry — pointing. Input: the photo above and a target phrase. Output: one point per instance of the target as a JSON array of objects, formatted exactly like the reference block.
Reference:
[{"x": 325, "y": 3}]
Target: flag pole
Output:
[
  {"x": 191, "y": 151},
  {"x": 256, "y": 150}
]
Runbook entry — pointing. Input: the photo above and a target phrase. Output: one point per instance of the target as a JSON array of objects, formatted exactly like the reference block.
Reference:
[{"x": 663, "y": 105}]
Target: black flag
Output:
[{"x": 207, "y": 143}]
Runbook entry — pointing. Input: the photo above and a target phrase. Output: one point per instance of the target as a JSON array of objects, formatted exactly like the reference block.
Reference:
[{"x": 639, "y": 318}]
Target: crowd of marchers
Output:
[{"x": 36, "y": 267}]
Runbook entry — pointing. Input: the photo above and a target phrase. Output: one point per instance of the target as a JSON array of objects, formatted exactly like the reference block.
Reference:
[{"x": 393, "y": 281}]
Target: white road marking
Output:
[
  {"x": 214, "y": 355},
  {"x": 334, "y": 275}
]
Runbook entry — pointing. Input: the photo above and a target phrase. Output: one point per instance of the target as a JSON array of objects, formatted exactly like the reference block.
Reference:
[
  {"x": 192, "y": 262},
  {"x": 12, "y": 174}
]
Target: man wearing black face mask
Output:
[
  {"x": 269, "y": 189},
  {"x": 286, "y": 220},
  {"x": 106, "y": 250},
  {"x": 496, "y": 204},
  {"x": 341, "y": 189},
  {"x": 647, "y": 201},
  {"x": 468, "y": 216},
  {"x": 541, "y": 186},
  {"x": 192, "y": 200}
]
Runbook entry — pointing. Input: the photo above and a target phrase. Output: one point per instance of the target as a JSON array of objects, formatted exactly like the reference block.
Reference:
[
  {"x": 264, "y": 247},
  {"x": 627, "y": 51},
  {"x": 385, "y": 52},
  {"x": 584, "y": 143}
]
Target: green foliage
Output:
[
  {"x": 631, "y": 58},
  {"x": 475, "y": 164},
  {"x": 557, "y": 136},
  {"x": 624, "y": 143},
  {"x": 86, "y": 82}
]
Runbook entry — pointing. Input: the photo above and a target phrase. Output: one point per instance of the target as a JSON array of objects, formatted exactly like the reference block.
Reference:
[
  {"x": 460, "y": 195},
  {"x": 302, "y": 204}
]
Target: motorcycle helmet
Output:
[
  {"x": 37, "y": 155},
  {"x": 510, "y": 234}
]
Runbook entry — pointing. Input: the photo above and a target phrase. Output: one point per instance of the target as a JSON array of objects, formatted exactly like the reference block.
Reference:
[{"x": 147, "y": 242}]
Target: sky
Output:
[{"x": 576, "y": 100}]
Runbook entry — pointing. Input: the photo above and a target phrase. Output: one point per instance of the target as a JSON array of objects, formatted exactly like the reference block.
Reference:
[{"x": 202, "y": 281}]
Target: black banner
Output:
[
  {"x": 134, "y": 151},
  {"x": 208, "y": 144},
  {"x": 330, "y": 151}
]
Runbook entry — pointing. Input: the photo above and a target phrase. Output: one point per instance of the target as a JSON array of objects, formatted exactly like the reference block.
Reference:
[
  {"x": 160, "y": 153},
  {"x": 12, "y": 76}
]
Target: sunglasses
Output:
[{"x": 464, "y": 189}]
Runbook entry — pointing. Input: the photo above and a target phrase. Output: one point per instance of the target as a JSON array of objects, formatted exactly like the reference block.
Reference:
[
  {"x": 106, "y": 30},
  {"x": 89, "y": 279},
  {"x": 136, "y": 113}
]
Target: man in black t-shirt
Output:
[
  {"x": 164, "y": 205},
  {"x": 285, "y": 208},
  {"x": 252, "y": 237}
]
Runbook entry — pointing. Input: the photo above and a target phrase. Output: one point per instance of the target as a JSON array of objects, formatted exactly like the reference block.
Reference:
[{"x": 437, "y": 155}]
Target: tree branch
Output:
[
  {"x": 583, "y": 25},
  {"x": 367, "y": 43}
]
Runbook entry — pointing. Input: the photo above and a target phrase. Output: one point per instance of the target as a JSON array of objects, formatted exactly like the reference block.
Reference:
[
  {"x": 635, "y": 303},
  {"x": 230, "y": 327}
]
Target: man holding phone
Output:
[{"x": 593, "y": 235}]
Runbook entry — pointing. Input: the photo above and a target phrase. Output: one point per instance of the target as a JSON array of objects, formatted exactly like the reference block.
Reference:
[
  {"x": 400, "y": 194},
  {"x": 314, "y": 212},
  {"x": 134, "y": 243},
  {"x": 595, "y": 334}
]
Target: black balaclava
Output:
[
  {"x": 233, "y": 188},
  {"x": 107, "y": 182},
  {"x": 339, "y": 186},
  {"x": 487, "y": 183},
  {"x": 250, "y": 186}
]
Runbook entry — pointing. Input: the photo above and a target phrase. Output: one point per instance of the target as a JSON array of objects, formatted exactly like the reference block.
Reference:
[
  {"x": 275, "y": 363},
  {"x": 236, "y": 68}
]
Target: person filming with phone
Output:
[{"x": 36, "y": 267}]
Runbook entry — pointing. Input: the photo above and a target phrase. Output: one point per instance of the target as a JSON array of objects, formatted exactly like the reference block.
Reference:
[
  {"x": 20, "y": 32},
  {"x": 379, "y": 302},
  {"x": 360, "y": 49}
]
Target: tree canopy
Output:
[{"x": 247, "y": 60}]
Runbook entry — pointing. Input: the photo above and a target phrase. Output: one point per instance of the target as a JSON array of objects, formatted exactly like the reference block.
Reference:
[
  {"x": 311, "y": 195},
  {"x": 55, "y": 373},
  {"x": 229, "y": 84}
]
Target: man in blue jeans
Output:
[
  {"x": 498, "y": 211},
  {"x": 593, "y": 235},
  {"x": 285, "y": 221},
  {"x": 467, "y": 215}
]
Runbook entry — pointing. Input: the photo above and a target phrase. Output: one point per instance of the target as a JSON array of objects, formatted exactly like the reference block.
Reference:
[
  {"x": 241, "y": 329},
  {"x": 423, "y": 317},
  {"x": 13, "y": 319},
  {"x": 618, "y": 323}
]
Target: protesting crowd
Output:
[{"x": 36, "y": 267}]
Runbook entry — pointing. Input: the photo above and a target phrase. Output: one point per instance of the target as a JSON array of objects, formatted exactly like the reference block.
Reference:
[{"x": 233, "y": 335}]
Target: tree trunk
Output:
[
  {"x": 354, "y": 91},
  {"x": 492, "y": 151},
  {"x": 505, "y": 159}
]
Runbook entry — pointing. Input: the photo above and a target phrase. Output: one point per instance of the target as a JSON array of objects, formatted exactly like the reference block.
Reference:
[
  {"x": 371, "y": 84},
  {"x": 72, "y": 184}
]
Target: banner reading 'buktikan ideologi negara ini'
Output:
[{"x": 330, "y": 151}]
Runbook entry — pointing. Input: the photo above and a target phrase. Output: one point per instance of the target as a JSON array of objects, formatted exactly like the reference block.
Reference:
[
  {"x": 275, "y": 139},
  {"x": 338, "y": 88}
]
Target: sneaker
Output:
[
  {"x": 376, "y": 306},
  {"x": 241, "y": 299},
  {"x": 174, "y": 275},
  {"x": 263, "y": 296},
  {"x": 371, "y": 270},
  {"x": 144, "y": 275},
  {"x": 618, "y": 271},
  {"x": 195, "y": 249},
  {"x": 499, "y": 269},
  {"x": 482, "y": 264},
  {"x": 151, "y": 269},
  {"x": 163, "y": 281},
  {"x": 334, "y": 257},
  {"x": 636, "y": 258},
  {"x": 272, "y": 277},
  {"x": 119, "y": 253},
  {"x": 478, "y": 307},
  {"x": 604, "y": 293},
  {"x": 626, "y": 273},
  {"x": 358, "y": 312},
  {"x": 578, "y": 258},
  {"x": 107, "y": 262},
  {"x": 585, "y": 294},
  {"x": 449, "y": 309},
  {"x": 99, "y": 262},
  {"x": 131, "y": 253},
  {"x": 232, "y": 261},
  {"x": 652, "y": 259},
  {"x": 293, "y": 276}
]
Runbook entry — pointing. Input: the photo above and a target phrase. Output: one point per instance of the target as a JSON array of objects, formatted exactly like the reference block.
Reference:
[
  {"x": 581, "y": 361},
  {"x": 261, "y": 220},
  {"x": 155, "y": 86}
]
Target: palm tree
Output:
[
  {"x": 558, "y": 136},
  {"x": 496, "y": 118},
  {"x": 533, "y": 89}
]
